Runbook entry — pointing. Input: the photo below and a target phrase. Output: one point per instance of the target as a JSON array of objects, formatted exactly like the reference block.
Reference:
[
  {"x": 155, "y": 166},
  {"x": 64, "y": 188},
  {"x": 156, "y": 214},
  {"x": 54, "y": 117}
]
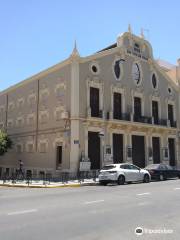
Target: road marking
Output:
[
  {"x": 144, "y": 203},
  {"x": 22, "y": 212},
  {"x": 141, "y": 194},
  {"x": 177, "y": 188},
  {"x": 97, "y": 201}
]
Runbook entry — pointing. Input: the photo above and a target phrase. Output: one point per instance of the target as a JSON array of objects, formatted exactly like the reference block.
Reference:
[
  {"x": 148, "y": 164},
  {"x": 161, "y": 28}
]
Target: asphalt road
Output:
[{"x": 91, "y": 212}]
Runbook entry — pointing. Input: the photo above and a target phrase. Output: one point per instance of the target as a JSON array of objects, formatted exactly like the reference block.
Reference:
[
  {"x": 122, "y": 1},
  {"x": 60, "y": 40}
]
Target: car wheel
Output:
[
  {"x": 179, "y": 176},
  {"x": 121, "y": 180},
  {"x": 103, "y": 183},
  {"x": 161, "y": 177},
  {"x": 146, "y": 178}
]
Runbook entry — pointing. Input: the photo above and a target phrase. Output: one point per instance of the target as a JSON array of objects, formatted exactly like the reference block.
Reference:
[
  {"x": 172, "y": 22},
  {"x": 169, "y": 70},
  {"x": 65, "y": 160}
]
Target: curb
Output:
[{"x": 49, "y": 186}]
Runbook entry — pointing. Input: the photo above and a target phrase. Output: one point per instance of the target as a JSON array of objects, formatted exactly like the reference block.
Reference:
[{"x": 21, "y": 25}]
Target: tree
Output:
[{"x": 5, "y": 142}]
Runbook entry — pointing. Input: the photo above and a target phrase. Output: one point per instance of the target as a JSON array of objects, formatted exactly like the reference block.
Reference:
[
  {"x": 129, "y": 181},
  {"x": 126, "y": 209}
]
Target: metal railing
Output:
[
  {"x": 122, "y": 116},
  {"x": 173, "y": 124},
  {"x": 143, "y": 119},
  {"x": 48, "y": 178}
]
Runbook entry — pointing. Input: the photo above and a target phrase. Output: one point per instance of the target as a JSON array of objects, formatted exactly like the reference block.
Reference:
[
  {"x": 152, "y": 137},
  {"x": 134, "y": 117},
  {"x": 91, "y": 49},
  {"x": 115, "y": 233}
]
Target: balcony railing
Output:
[
  {"x": 162, "y": 122},
  {"x": 143, "y": 119},
  {"x": 96, "y": 114},
  {"x": 173, "y": 124},
  {"x": 122, "y": 116},
  {"x": 130, "y": 117}
]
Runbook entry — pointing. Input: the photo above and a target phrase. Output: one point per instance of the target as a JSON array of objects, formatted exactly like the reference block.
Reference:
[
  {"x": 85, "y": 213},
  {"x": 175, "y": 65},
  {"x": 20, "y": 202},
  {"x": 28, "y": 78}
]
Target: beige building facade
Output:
[{"x": 117, "y": 105}]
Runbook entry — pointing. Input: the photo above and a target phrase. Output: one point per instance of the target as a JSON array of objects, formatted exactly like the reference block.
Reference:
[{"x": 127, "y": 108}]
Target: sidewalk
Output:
[{"x": 46, "y": 184}]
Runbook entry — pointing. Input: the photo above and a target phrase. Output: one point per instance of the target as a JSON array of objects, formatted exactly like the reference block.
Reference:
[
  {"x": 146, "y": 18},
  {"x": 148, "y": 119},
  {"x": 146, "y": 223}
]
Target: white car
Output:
[{"x": 121, "y": 173}]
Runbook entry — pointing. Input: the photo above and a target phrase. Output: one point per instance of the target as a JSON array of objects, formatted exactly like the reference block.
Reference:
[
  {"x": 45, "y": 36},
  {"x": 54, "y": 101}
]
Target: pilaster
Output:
[{"x": 74, "y": 112}]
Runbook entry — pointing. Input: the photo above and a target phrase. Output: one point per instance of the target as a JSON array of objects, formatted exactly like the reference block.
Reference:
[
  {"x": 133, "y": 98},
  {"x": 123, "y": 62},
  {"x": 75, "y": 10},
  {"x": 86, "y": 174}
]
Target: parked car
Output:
[
  {"x": 121, "y": 173},
  {"x": 162, "y": 171}
]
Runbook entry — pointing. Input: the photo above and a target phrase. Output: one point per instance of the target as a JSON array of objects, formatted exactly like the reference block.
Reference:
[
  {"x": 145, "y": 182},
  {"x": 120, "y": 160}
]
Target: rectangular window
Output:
[
  {"x": 94, "y": 101},
  {"x": 171, "y": 114},
  {"x": 117, "y": 114},
  {"x": 155, "y": 112},
  {"x": 137, "y": 109}
]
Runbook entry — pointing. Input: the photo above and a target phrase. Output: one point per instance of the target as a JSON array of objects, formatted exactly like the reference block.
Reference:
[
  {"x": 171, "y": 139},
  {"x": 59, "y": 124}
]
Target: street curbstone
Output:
[{"x": 49, "y": 186}]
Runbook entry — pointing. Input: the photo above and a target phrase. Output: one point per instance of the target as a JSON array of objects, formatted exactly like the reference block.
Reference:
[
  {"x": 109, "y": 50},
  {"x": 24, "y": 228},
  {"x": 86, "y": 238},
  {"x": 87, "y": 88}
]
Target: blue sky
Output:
[{"x": 36, "y": 34}]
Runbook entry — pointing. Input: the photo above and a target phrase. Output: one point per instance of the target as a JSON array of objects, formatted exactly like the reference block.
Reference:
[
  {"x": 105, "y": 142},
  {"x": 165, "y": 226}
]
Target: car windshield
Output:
[
  {"x": 107, "y": 167},
  {"x": 152, "y": 166}
]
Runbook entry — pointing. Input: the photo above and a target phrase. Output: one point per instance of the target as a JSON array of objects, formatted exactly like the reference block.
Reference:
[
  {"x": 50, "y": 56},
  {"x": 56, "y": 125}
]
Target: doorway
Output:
[
  {"x": 58, "y": 156},
  {"x": 138, "y": 151},
  {"x": 94, "y": 149},
  {"x": 117, "y": 148},
  {"x": 156, "y": 149},
  {"x": 172, "y": 158}
]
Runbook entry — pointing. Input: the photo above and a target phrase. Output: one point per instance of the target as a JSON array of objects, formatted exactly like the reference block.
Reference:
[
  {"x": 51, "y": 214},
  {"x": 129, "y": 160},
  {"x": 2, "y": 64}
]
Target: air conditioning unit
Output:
[{"x": 64, "y": 115}]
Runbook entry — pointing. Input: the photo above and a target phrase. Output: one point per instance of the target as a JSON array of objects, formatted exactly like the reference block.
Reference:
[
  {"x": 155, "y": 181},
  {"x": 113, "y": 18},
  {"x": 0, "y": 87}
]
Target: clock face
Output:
[{"x": 136, "y": 73}]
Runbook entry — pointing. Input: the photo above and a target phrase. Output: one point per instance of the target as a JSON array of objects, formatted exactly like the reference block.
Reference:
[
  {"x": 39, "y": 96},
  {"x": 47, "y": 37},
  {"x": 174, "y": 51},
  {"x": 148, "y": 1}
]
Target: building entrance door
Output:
[
  {"x": 94, "y": 149},
  {"x": 156, "y": 149},
  {"x": 58, "y": 156},
  {"x": 117, "y": 148},
  {"x": 138, "y": 151},
  {"x": 172, "y": 159}
]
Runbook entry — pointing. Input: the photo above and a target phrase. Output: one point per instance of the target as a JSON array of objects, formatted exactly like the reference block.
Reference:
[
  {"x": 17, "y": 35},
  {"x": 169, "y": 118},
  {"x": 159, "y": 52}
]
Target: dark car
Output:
[{"x": 162, "y": 171}]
